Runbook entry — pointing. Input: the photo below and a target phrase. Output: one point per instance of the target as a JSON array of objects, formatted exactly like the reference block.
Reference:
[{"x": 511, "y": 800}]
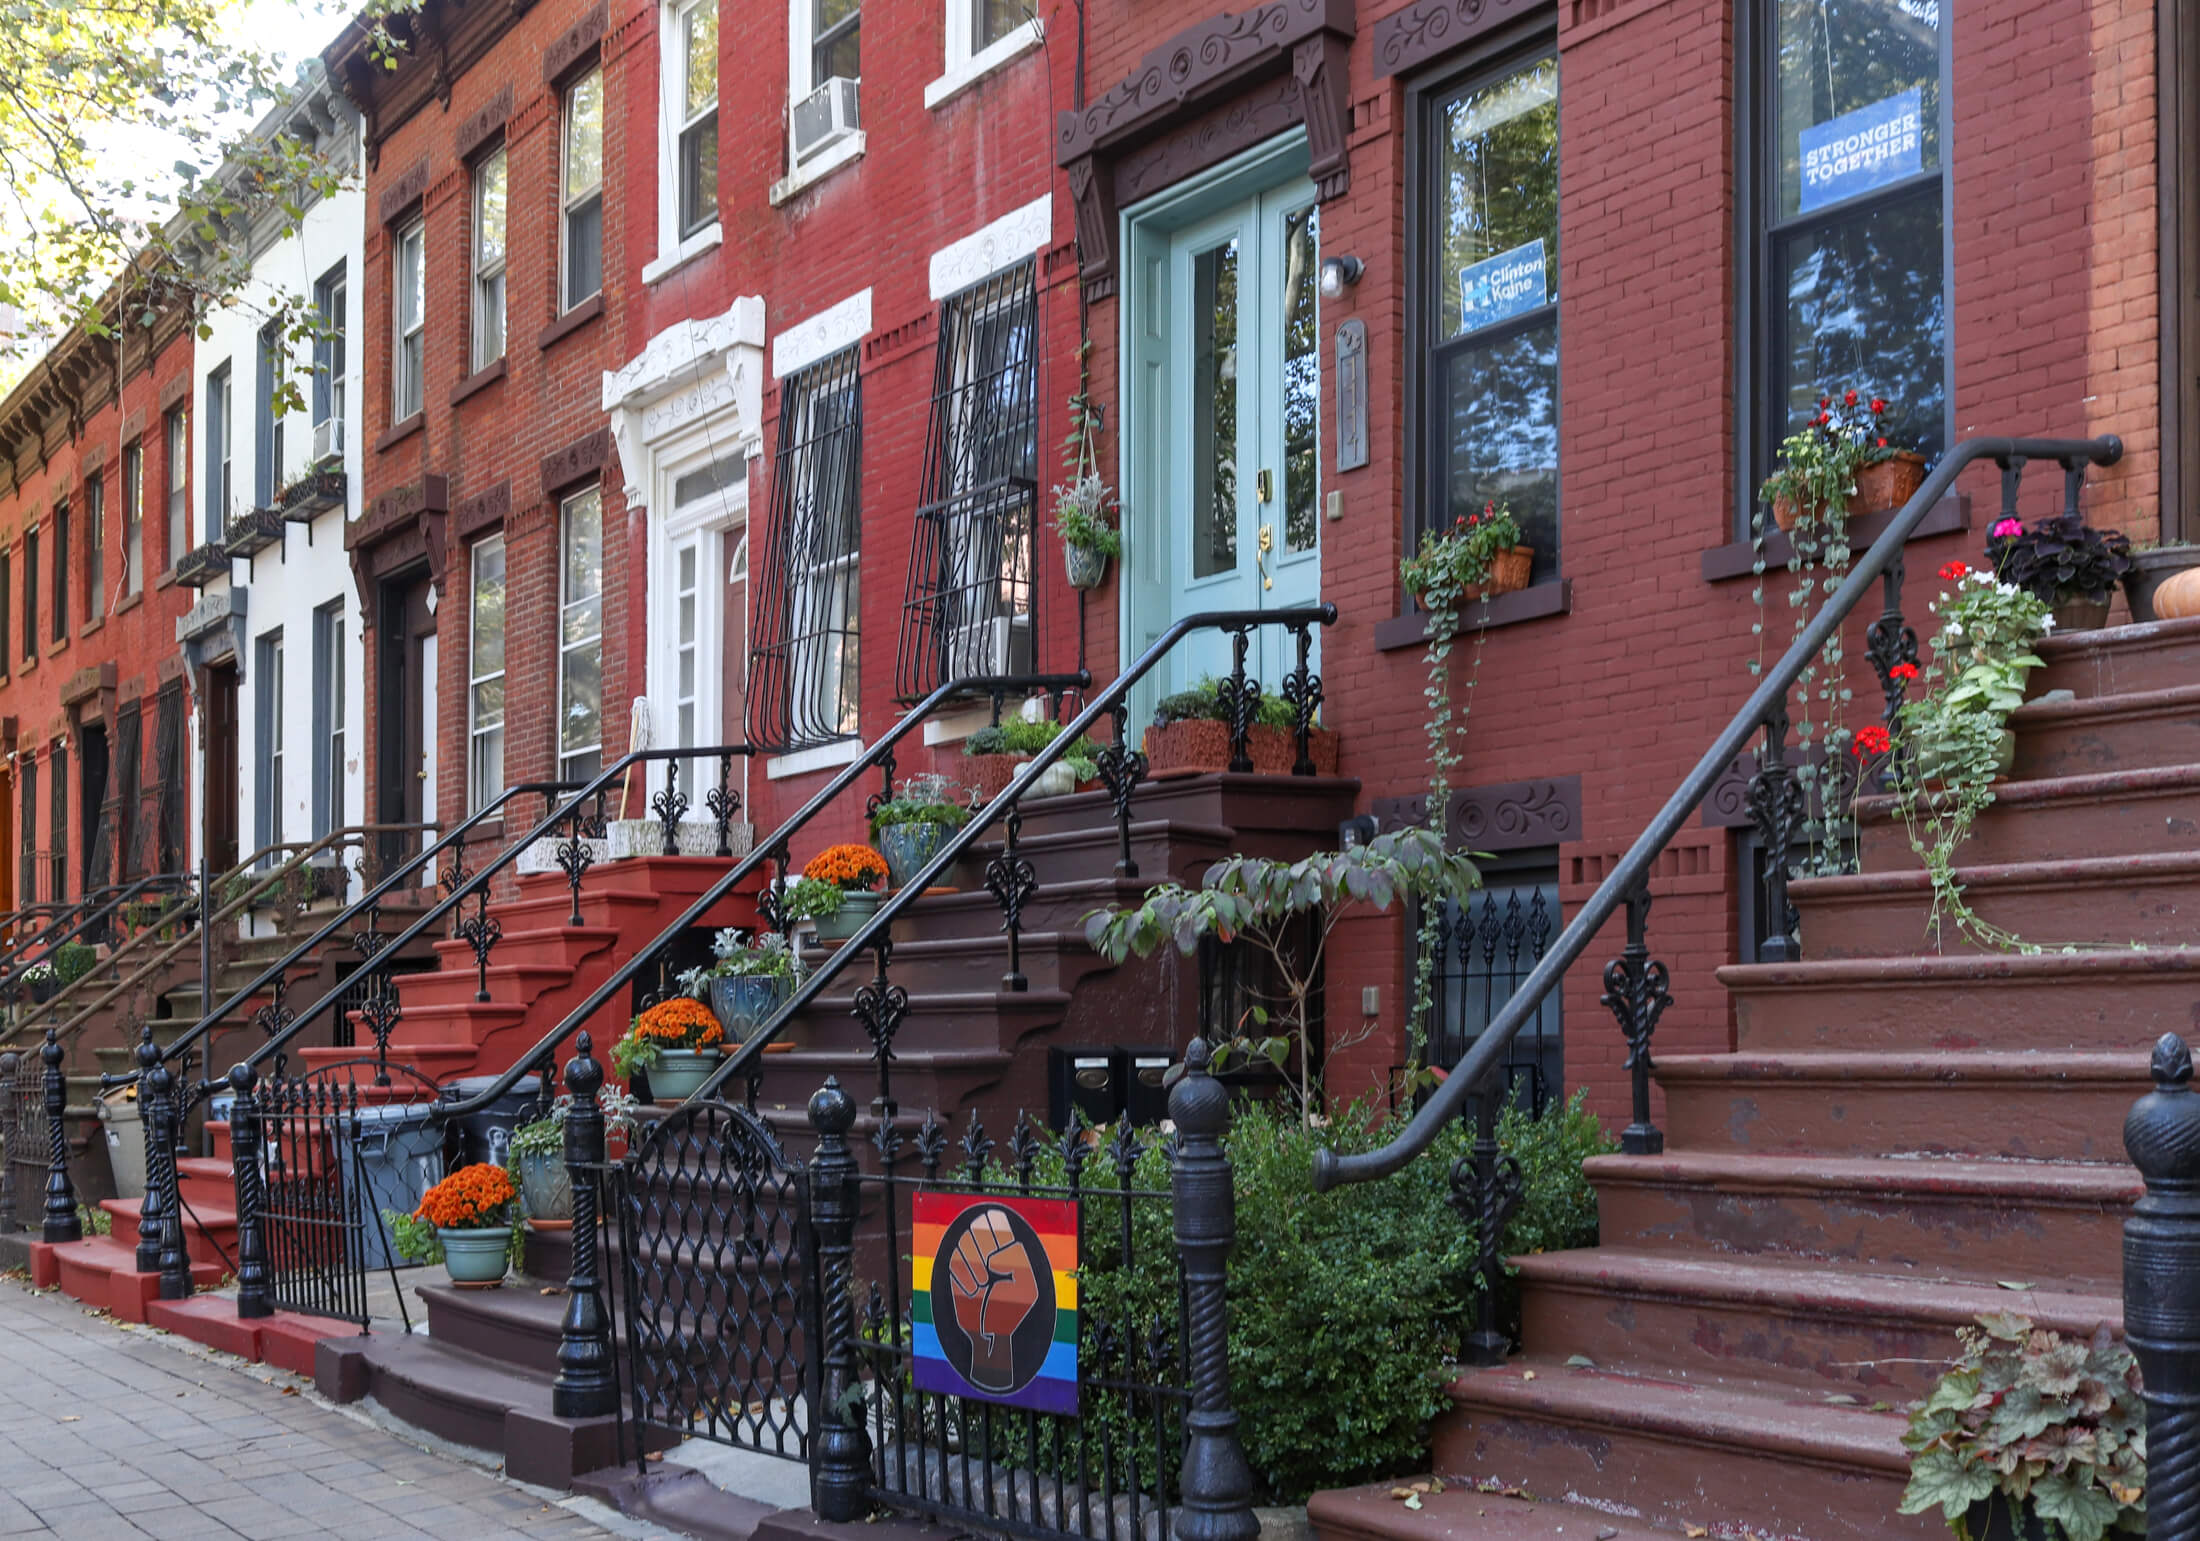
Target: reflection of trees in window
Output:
[
  {"x": 1497, "y": 177},
  {"x": 1836, "y": 56},
  {"x": 1499, "y": 399},
  {"x": 1215, "y": 429},
  {"x": 1301, "y": 378}
]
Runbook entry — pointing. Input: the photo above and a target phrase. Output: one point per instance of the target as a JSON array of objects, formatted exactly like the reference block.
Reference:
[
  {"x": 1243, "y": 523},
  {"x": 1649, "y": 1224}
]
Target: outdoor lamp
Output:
[{"x": 1340, "y": 274}]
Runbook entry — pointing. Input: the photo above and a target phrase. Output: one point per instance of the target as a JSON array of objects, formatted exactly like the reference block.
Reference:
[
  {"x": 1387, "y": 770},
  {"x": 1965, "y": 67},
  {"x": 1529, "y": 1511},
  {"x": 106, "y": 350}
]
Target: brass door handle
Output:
[
  {"x": 1264, "y": 485},
  {"x": 1267, "y": 544}
]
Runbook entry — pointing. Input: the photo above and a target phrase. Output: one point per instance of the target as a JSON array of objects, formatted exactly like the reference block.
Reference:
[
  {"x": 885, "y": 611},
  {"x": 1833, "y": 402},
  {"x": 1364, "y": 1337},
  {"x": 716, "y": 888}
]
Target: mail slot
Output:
[
  {"x": 1146, "y": 1086},
  {"x": 1087, "y": 1080}
]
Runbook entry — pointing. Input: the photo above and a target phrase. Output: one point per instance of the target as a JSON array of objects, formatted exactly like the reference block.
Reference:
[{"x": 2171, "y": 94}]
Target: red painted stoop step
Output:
[{"x": 1899, "y": 1136}]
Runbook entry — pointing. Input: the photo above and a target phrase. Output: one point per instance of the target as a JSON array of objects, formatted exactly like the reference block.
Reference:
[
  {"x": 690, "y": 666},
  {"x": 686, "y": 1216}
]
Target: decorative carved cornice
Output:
[
  {"x": 1503, "y": 816},
  {"x": 573, "y": 44},
  {"x": 586, "y": 456},
  {"x": 441, "y": 43},
  {"x": 408, "y": 189},
  {"x": 491, "y": 505},
  {"x": 1406, "y": 40},
  {"x": 483, "y": 123},
  {"x": 399, "y": 508}
]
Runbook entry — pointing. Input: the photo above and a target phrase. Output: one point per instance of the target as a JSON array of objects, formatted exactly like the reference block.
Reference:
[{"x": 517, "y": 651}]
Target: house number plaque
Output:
[{"x": 1351, "y": 395}]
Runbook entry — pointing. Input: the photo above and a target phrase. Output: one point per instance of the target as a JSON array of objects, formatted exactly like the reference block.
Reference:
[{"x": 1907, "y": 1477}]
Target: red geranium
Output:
[
  {"x": 1955, "y": 570},
  {"x": 1871, "y": 740},
  {"x": 1903, "y": 671}
]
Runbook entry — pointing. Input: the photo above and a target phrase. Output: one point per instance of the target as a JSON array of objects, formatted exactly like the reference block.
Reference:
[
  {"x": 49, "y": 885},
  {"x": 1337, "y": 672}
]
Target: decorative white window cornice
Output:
[
  {"x": 822, "y": 335},
  {"x": 1001, "y": 244}
]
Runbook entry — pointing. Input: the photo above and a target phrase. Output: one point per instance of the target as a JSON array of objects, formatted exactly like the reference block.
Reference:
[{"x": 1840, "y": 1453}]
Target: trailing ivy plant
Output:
[{"x": 1277, "y": 906}]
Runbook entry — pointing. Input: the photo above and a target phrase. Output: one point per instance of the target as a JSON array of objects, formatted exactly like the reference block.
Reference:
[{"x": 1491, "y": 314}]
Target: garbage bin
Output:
[
  {"x": 486, "y": 1135},
  {"x": 398, "y": 1158},
  {"x": 125, "y": 1130}
]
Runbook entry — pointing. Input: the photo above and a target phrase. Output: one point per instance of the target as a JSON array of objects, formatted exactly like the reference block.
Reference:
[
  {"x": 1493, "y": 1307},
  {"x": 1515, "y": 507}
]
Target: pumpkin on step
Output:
[{"x": 2178, "y": 596}]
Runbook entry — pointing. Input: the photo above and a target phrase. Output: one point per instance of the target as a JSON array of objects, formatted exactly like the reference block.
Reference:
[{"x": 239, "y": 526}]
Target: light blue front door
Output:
[{"x": 1222, "y": 430}]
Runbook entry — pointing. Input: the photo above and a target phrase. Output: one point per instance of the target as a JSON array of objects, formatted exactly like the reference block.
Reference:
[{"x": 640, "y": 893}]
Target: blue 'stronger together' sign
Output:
[
  {"x": 1502, "y": 286},
  {"x": 1861, "y": 150}
]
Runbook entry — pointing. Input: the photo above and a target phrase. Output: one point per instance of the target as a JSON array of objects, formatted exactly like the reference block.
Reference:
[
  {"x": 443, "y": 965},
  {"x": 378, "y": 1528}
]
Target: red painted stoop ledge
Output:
[{"x": 101, "y": 1271}]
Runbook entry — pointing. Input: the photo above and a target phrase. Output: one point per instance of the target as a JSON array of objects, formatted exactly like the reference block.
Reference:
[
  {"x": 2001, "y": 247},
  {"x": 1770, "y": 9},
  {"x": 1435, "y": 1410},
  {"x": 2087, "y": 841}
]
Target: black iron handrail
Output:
[
  {"x": 90, "y": 909},
  {"x": 1108, "y": 702},
  {"x": 1765, "y": 708},
  {"x": 879, "y": 753}
]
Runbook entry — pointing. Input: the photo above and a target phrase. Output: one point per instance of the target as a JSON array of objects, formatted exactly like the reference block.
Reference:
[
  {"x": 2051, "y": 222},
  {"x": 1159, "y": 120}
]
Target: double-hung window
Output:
[
  {"x": 580, "y": 636},
  {"x": 836, "y": 40},
  {"x": 409, "y": 315},
  {"x": 6, "y": 594},
  {"x": 328, "y": 718},
  {"x": 179, "y": 481},
  {"x": 330, "y": 297},
  {"x": 806, "y": 668},
  {"x": 133, "y": 519},
  {"x": 30, "y": 594},
  {"x": 60, "y": 571},
  {"x": 219, "y": 486},
  {"x": 489, "y": 253},
  {"x": 26, "y": 772},
  {"x": 267, "y": 665},
  {"x": 1844, "y": 164},
  {"x": 267, "y": 418},
  {"x": 485, "y": 677},
  {"x": 693, "y": 109},
  {"x": 1486, "y": 302},
  {"x": 580, "y": 272},
  {"x": 95, "y": 548},
  {"x": 57, "y": 831}
]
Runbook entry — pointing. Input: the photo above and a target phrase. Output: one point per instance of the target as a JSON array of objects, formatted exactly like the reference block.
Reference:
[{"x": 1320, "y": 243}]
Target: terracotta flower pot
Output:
[
  {"x": 1200, "y": 746},
  {"x": 1509, "y": 571},
  {"x": 1881, "y": 487},
  {"x": 989, "y": 774}
]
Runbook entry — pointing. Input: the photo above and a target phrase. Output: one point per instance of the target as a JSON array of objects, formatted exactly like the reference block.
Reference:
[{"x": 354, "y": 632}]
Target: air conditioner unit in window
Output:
[
  {"x": 999, "y": 646},
  {"x": 824, "y": 118},
  {"x": 328, "y": 438}
]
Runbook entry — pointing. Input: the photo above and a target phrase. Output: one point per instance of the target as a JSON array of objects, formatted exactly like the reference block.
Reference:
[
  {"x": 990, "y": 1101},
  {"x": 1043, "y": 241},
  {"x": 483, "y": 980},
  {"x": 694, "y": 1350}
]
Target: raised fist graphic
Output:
[{"x": 996, "y": 1287}]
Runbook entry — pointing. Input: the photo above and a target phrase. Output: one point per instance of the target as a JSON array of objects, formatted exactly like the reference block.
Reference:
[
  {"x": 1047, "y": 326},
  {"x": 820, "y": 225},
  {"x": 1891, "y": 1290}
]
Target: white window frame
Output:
[
  {"x": 490, "y": 294},
  {"x": 801, "y": 30},
  {"x": 713, "y": 525},
  {"x": 176, "y": 506},
  {"x": 408, "y": 394},
  {"x": 968, "y": 64},
  {"x": 332, "y": 306},
  {"x": 568, "y": 203},
  {"x": 567, "y": 649},
  {"x": 220, "y": 501},
  {"x": 673, "y": 249},
  {"x": 478, "y": 791},
  {"x": 133, "y": 517}
]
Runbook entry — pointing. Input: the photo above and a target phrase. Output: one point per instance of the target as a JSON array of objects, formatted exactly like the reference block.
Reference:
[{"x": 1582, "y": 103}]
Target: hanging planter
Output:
[{"x": 1088, "y": 568}]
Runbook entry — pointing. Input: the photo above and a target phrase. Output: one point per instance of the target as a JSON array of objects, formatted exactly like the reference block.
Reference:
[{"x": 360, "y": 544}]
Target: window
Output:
[
  {"x": 133, "y": 519},
  {"x": 409, "y": 305},
  {"x": 836, "y": 40},
  {"x": 328, "y": 718},
  {"x": 695, "y": 115},
  {"x": 331, "y": 298},
  {"x": 219, "y": 487},
  {"x": 1487, "y": 216},
  {"x": 267, "y": 457},
  {"x": 1486, "y": 946},
  {"x": 27, "y": 773},
  {"x": 60, "y": 572},
  {"x": 485, "y": 677},
  {"x": 581, "y": 273},
  {"x": 95, "y": 548},
  {"x": 580, "y": 636},
  {"x": 806, "y": 665},
  {"x": 1847, "y": 286},
  {"x": 686, "y": 641},
  {"x": 57, "y": 832},
  {"x": 5, "y": 588},
  {"x": 179, "y": 473},
  {"x": 30, "y": 594},
  {"x": 489, "y": 227},
  {"x": 168, "y": 777},
  {"x": 992, "y": 20},
  {"x": 129, "y": 757},
  {"x": 267, "y": 791}
]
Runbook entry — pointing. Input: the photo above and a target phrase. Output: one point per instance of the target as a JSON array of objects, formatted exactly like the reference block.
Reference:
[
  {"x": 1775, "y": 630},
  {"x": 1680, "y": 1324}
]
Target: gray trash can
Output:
[
  {"x": 125, "y": 1130},
  {"x": 487, "y": 1135},
  {"x": 398, "y": 1158}
]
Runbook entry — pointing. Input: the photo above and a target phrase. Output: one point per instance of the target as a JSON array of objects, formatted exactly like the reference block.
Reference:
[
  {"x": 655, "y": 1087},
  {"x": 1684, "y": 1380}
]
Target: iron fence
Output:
[{"x": 1485, "y": 947}]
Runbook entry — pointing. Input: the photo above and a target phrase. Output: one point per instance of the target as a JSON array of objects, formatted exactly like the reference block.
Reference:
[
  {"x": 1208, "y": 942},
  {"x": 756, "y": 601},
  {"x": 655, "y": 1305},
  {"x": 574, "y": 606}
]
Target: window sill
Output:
[
  {"x": 57, "y": 647},
  {"x": 399, "y": 432},
  {"x": 486, "y": 375},
  {"x": 129, "y": 602},
  {"x": 961, "y": 77},
  {"x": 28, "y": 664},
  {"x": 954, "y": 727},
  {"x": 1737, "y": 558},
  {"x": 572, "y": 321},
  {"x": 812, "y": 172},
  {"x": 90, "y": 626},
  {"x": 840, "y": 752},
  {"x": 1528, "y": 604},
  {"x": 705, "y": 239}
]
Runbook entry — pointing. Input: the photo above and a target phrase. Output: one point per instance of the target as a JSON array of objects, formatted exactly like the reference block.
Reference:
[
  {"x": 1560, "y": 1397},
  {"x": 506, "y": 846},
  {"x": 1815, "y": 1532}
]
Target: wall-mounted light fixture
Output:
[{"x": 1340, "y": 274}]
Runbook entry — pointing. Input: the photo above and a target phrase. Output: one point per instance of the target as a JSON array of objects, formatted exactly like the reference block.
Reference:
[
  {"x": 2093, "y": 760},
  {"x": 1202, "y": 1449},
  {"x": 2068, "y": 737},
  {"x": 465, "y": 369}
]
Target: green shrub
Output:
[
  {"x": 1016, "y": 736},
  {"x": 1204, "y": 702},
  {"x": 72, "y": 961}
]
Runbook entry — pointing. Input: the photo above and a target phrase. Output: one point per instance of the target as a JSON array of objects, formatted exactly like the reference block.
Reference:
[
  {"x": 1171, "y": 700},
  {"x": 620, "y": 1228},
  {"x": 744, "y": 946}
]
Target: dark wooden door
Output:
[
  {"x": 401, "y": 747},
  {"x": 221, "y": 767},
  {"x": 98, "y": 843}
]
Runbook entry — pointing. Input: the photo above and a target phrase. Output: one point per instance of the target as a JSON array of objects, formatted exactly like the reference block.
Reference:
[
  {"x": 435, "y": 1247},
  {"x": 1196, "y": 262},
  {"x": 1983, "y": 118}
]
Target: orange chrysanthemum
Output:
[
  {"x": 680, "y": 1023},
  {"x": 847, "y": 866},
  {"x": 473, "y": 1197}
]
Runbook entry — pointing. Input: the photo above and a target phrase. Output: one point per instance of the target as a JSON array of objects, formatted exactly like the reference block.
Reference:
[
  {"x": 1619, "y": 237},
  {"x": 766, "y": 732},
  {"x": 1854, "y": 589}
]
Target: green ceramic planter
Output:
[
  {"x": 678, "y": 1072},
  {"x": 855, "y": 909},
  {"x": 907, "y": 847},
  {"x": 745, "y": 1002},
  {"x": 475, "y": 1256}
]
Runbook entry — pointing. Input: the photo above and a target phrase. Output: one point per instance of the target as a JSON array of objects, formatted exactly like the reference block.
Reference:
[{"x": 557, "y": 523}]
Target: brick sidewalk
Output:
[{"x": 106, "y": 1432}]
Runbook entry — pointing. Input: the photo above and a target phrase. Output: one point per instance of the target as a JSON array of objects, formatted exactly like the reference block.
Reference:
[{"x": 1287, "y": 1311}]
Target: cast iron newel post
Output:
[
  {"x": 10, "y": 1132},
  {"x": 2162, "y": 1287},
  {"x": 586, "y": 1386},
  {"x": 1217, "y": 1482},
  {"x": 1635, "y": 992},
  {"x": 160, "y": 1167},
  {"x": 842, "y": 1451},
  {"x": 152, "y": 1210},
  {"x": 61, "y": 1222},
  {"x": 244, "y": 1159}
]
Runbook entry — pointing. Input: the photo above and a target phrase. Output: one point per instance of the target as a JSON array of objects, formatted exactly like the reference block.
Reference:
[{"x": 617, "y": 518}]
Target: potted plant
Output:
[
  {"x": 2029, "y": 1434},
  {"x": 473, "y": 1213},
  {"x": 72, "y": 961},
  {"x": 910, "y": 827},
  {"x": 1190, "y": 736},
  {"x": 839, "y": 891},
  {"x": 677, "y": 1042},
  {"x": 1086, "y": 514},
  {"x": 751, "y": 979},
  {"x": 1479, "y": 557},
  {"x": 996, "y": 754},
  {"x": 537, "y": 1158},
  {"x": 2174, "y": 566},
  {"x": 2071, "y": 566},
  {"x": 1842, "y": 459},
  {"x": 39, "y": 977}
]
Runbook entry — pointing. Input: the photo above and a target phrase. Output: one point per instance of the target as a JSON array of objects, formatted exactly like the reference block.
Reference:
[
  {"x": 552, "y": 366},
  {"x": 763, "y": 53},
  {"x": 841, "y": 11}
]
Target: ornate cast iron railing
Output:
[{"x": 1486, "y": 1186}]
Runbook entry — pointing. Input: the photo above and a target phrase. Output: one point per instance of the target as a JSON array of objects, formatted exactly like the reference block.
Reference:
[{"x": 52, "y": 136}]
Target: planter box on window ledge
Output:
[
  {"x": 196, "y": 569},
  {"x": 254, "y": 531},
  {"x": 313, "y": 494}
]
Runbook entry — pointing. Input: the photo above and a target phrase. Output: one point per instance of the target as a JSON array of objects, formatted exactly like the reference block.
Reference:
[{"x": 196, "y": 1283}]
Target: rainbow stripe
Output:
[{"x": 1054, "y": 1389}]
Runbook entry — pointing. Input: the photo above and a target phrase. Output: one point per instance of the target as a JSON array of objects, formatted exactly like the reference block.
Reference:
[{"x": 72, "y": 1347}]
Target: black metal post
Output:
[
  {"x": 1216, "y": 1483},
  {"x": 152, "y": 1215},
  {"x": 669, "y": 805},
  {"x": 160, "y": 1167},
  {"x": 1635, "y": 992},
  {"x": 840, "y": 1452},
  {"x": 1487, "y": 1187},
  {"x": 1891, "y": 644},
  {"x": 61, "y": 1221},
  {"x": 723, "y": 800},
  {"x": 1302, "y": 689},
  {"x": 574, "y": 859},
  {"x": 1776, "y": 805},
  {"x": 587, "y": 1385},
  {"x": 1121, "y": 768},
  {"x": 2162, "y": 1287},
  {"x": 253, "y": 1299},
  {"x": 1239, "y": 698},
  {"x": 1011, "y": 880},
  {"x": 880, "y": 1006},
  {"x": 10, "y": 1133}
]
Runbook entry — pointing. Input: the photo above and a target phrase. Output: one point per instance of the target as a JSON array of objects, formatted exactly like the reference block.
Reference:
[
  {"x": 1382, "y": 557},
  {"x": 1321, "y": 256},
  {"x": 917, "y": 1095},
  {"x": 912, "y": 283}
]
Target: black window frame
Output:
[
  {"x": 61, "y": 520},
  {"x": 133, "y": 517},
  {"x": 30, "y": 595},
  {"x": 95, "y": 545},
  {"x": 57, "y": 802},
  {"x": 7, "y": 596},
  {"x": 1759, "y": 426},
  {"x": 1504, "y": 51}
]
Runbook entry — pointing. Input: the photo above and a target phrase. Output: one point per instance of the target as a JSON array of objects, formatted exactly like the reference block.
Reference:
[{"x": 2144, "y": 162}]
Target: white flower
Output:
[
  {"x": 1955, "y": 628},
  {"x": 2047, "y": 623}
]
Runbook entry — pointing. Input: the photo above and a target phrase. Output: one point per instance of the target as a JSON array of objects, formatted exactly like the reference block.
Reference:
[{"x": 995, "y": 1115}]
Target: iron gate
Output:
[{"x": 713, "y": 1238}]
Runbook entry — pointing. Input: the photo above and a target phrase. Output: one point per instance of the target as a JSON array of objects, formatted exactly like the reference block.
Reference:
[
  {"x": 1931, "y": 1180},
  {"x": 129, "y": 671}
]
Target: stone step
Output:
[
  {"x": 1768, "y": 1323},
  {"x": 459, "y": 983},
  {"x": 1057, "y": 906},
  {"x": 1464, "y": 1512},
  {"x": 1163, "y": 850},
  {"x": 2120, "y": 659},
  {"x": 209, "y": 1229},
  {"x": 517, "y": 1326},
  {"x": 1936, "y": 1216},
  {"x": 1052, "y": 962},
  {"x": 554, "y": 946},
  {"x": 2152, "y": 898},
  {"x": 2056, "y": 818},
  {"x": 1732, "y": 1462},
  {"x": 2051, "y": 1105},
  {"x": 102, "y": 1272},
  {"x": 2106, "y": 1000},
  {"x": 2072, "y": 736}
]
